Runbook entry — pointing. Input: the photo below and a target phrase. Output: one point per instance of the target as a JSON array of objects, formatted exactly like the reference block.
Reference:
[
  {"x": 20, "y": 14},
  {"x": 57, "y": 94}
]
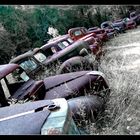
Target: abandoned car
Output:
[
  {"x": 101, "y": 33},
  {"x": 19, "y": 86},
  {"x": 135, "y": 16},
  {"x": 82, "y": 33},
  {"x": 90, "y": 88},
  {"x": 119, "y": 25},
  {"x": 111, "y": 32},
  {"x": 130, "y": 24},
  {"x": 43, "y": 61},
  {"x": 48, "y": 117}
]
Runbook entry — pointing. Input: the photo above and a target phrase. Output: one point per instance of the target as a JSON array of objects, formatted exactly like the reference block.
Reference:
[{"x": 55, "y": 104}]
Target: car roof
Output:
[
  {"x": 22, "y": 56},
  {"x": 55, "y": 41},
  {"x": 76, "y": 28},
  {"x": 6, "y": 69}
]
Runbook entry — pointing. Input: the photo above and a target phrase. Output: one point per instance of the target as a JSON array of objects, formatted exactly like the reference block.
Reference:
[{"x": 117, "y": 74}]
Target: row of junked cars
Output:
[{"x": 36, "y": 100}]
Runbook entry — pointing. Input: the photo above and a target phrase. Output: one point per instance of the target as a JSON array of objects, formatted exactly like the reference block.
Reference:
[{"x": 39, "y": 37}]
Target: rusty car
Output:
[
  {"x": 82, "y": 33},
  {"x": 101, "y": 33},
  {"x": 111, "y": 32},
  {"x": 135, "y": 16},
  {"x": 119, "y": 25},
  {"x": 45, "y": 60},
  {"x": 130, "y": 24},
  {"x": 48, "y": 117},
  {"x": 85, "y": 86}
]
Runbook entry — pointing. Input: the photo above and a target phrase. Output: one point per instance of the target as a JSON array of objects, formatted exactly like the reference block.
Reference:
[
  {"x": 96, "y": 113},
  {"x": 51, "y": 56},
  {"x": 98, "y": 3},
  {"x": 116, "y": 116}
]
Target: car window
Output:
[
  {"x": 40, "y": 57},
  {"x": 65, "y": 43},
  {"x": 28, "y": 65},
  {"x": 24, "y": 76},
  {"x": 70, "y": 40},
  {"x": 77, "y": 33},
  {"x": 61, "y": 45},
  {"x": 105, "y": 25}
]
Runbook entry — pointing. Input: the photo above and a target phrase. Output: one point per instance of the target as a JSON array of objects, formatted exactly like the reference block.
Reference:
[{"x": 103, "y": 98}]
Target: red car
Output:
[
  {"x": 101, "y": 33},
  {"x": 82, "y": 33}
]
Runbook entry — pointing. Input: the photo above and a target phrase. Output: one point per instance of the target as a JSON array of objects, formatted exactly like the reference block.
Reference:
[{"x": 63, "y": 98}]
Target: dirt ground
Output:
[{"x": 121, "y": 64}]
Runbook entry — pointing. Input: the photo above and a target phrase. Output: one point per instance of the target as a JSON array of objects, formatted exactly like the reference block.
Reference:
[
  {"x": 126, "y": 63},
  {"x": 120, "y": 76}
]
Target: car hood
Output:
[
  {"x": 23, "y": 119},
  {"x": 54, "y": 81}
]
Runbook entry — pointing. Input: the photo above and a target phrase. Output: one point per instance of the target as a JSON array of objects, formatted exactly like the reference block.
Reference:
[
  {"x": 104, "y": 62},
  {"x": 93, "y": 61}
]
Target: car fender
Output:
[
  {"x": 99, "y": 73},
  {"x": 85, "y": 108},
  {"x": 74, "y": 61}
]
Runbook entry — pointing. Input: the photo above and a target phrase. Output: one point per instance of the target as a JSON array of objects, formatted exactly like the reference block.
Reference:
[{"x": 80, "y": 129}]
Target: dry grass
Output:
[{"x": 121, "y": 116}]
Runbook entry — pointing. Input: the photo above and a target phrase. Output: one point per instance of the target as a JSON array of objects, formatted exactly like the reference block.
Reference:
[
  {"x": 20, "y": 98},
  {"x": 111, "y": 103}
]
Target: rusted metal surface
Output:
[
  {"x": 83, "y": 33},
  {"x": 22, "y": 57},
  {"x": 135, "y": 16},
  {"x": 73, "y": 84},
  {"x": 86, "y": 108},
  {"x": 30, "y": 123},
  {"x": 70, "y": 51},
  {"x": 130, "y": 24},
  {"x": 6, "y": 69},
  {"x": 101, "y": 33},
  {"x": 55, "y": 41},
  {"x": 74, "y": 63}
]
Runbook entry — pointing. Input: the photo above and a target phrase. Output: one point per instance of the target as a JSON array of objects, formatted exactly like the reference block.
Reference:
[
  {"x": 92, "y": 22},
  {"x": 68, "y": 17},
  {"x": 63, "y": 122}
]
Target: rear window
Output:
[
  {"x": 70, "y": 40},
  {"x": 105, "y": 25},
  {"x": 77, "y": 33}
]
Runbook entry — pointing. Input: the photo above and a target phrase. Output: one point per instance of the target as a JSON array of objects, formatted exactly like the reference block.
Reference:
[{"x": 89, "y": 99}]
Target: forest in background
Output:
[{"x": 26, "y": 27}]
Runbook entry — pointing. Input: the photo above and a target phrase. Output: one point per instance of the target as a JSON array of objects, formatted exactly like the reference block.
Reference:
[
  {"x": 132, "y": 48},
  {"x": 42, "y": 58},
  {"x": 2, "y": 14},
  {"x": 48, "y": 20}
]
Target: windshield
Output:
[
  {"x": 17, "y": 75},
  {"x": 65, "y": 43},
  {"x": 40, "y": 57},
  {"x": 29, "y": 65},
  {"x": 13, "y": 81}
]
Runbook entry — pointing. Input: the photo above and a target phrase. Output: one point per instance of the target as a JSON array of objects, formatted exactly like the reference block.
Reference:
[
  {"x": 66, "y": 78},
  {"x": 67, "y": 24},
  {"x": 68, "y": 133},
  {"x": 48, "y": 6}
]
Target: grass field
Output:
[{"x": 121, "y": 64}]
